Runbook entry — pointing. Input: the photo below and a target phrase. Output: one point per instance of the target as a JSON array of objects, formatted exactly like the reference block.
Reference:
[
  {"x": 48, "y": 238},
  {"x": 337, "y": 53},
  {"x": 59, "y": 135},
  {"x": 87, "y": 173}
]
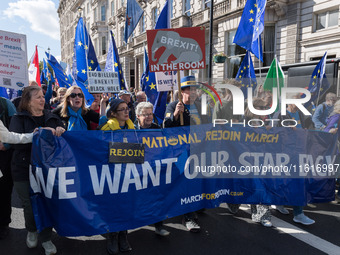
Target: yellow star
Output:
[
  {"x": 255, "y": 5},
  {"x": 122, "y": 80},
  {"x": 120, "y": 71},
  {"x": 86, "y": 47},
  {"x": 241, "y": 71},
  {"x": 147, "y": 78},
  {"x": 65, "y": 79},
  {"x": 318, "y": 71},
  {"x": 313, "y": 83},
  {"x": 92, "y": 62},
  {"x": 248, "y": 66},
  {"x": 242, "y": 85},
  {"x": 90, "y": 68},
  {"x": 245, "y": 68},
  {"x": 321, "y": 89},
  {"x": 251, "y": 11},
  {"x": 251, "y": 20},
  {"x": 152, "y": 86},
  {"x": 314, "y": 77},
  {"x": 240, "y": 76},
  {"x": 116, "y": 64},
  {"x": 80, "y": 44},
  {"x": 83, "y": 71}
]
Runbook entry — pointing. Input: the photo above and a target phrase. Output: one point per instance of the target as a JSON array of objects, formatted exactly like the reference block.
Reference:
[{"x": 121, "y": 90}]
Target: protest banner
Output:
[
  {"x": 78, "y": 192},
  {"x": 176, "y": 49},
  {"x": 13, "y": 60},
  {"x": 103, "y": 82}
]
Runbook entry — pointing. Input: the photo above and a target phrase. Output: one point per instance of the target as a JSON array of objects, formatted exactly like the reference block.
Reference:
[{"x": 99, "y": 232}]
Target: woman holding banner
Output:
[
  {"x": 118, "y": 118},
  {"x": 31, "y": 115}
]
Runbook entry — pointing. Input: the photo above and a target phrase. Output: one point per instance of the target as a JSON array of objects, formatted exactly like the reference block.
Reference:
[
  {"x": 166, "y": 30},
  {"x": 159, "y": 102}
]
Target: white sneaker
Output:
[
  {"x": 32, "y": 239},
  {"x": 49, "y": 248},
  {"x": 266, "y": 223},
  {"x": 281, "y": 209},
  {"x": 162, "y": 232},
  {"x": 303, "y": 219},
  {"x": 191, "y": 225}
]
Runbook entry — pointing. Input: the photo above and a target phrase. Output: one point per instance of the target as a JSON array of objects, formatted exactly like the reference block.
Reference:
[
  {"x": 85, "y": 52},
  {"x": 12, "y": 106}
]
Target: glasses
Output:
[
  {"x": 74, "y": 95},
  {"x": 124, "y": 109},
  {"x": 147, "y": 115}
]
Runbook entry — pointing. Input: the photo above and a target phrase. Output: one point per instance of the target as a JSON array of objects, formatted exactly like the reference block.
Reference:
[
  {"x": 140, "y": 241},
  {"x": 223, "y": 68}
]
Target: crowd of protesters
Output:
[{"x": 61, "y": 109}]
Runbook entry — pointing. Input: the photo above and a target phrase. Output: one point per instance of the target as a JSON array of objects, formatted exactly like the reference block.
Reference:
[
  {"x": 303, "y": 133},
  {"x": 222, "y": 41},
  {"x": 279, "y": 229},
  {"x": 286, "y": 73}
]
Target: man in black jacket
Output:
[{"x": 190, "y": 107}]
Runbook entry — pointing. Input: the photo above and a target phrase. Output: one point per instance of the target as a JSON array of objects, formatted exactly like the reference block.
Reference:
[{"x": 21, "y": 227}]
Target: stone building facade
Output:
[{"x": 295, "y": 30}]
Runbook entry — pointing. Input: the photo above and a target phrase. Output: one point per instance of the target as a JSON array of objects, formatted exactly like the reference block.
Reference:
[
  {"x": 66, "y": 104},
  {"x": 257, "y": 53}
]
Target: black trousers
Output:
[{"x": 6, "y": 187}]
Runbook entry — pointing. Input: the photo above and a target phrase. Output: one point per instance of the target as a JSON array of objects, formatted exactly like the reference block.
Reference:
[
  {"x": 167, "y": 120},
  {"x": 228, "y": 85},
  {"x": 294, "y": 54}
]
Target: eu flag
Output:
[
  {"x": 133, "y": 14},
  {"x": 246, "y": 74},
  {"x": 113, "y": 63},
  {"x": 45, "y": 72},
  {"x": 58, "y": 71},
  {"x": 85, "y": 56},
  {"x": 251, "y": 26},
  {"x": 318, "y": 84},
  {"x": 148, "y": 81}
]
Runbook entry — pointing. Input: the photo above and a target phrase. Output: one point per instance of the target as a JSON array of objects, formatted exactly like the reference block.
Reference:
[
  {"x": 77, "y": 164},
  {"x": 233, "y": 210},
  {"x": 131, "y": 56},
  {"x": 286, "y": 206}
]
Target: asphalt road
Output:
[{"x": 221, "y": 233}]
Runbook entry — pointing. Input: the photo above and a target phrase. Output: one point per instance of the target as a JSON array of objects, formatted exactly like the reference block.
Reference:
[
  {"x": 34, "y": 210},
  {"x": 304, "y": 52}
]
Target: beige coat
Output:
[{"x": 13, "y": 138}]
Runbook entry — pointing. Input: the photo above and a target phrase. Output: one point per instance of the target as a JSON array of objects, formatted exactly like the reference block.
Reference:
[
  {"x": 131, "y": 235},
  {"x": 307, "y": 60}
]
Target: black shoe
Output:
[
  {"x": 123, "y": 241},
  {"x": 112, "y": 244},
  {"x": 4, "y": 232}
]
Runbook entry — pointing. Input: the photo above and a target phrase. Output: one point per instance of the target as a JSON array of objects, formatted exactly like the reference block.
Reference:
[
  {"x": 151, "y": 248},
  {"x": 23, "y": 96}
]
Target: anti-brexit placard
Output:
[{"x": 77, "y": 191}]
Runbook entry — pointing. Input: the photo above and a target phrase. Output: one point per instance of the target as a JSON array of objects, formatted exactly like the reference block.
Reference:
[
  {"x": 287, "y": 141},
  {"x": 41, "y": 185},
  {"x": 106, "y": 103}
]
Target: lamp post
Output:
[{"x": 211, "y": 23}]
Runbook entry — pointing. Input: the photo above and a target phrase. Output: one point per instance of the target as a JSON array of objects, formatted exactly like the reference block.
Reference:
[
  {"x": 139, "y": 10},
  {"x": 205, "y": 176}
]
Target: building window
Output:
[
  {"x": 112, "y": 8},
  {"x": 122, "y": 36},
  {"x": 235, "y": 53},
  {"x": 142, "y": 24},
  {"x": 207, "y": 4},
  {"x": 186, "y": 7},
  {"x": 103, "y": 45},
  {"x": 95, "y": 14},
  {"x": 103, "y": 13},
  {"x": 327, "y": 19},
  {"x": 268, "y": 44},
  {"x": 154, "y": 16}
]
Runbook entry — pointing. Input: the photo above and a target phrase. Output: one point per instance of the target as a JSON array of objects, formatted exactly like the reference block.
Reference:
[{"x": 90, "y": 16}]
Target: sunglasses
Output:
[{"x": 73, "y": 95}]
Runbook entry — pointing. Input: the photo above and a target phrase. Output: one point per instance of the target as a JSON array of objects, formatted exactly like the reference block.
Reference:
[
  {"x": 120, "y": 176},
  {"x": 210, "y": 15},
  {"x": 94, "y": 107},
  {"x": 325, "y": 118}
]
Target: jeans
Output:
[{"x": 297, "y": 210}]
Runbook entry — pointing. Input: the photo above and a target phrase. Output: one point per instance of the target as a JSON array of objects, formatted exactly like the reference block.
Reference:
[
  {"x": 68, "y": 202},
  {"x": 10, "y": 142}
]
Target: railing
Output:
[
  {"x": 112, "y": 21},
  {"x": 140, "y": 38},
  {"x": 222, "y": 8}
]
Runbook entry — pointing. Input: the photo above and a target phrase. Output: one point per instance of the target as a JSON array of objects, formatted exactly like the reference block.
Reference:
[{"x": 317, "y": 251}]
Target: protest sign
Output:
[
  {"x": 103, "y": 82},
  {"x": 176, "y": 49},
  {"x": 13, "y": 60},
  {"x": 167, "y": 81}
]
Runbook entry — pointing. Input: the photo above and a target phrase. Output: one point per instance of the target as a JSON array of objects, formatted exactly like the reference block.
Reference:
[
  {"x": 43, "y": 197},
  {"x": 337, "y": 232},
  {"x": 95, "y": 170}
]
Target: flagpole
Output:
[
  {"x": 277, "y": 78},
  {"x": 321, "y": 78}
]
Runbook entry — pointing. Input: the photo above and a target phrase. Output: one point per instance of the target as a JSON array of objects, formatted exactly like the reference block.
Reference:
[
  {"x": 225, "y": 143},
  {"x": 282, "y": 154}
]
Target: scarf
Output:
[
  {"x": 113, "y": 124},
  {"x": 76, "y": 121}
]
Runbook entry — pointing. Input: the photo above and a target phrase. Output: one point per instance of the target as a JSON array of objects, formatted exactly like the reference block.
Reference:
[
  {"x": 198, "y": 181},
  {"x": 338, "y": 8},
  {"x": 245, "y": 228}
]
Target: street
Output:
[{"x": 221, "y": 233}]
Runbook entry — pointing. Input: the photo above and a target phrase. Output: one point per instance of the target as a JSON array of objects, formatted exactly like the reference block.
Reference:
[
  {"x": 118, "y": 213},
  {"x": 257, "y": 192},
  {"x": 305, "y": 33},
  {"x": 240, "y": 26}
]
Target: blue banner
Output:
[{"x": 76, "y": 191}]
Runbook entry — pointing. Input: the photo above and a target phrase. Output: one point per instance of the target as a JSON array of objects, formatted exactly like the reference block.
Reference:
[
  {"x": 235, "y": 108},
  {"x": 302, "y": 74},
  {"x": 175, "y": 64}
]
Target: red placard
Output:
[{"x": 176, "y": 49}]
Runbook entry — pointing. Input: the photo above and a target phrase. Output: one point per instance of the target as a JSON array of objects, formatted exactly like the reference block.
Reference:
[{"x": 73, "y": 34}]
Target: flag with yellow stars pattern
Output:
[
  {"x": 113, "y": 63},
  {"x": 246, "y": 75},
  {"x": 148, "y": 81},
  {"x": 84, "y": 55},
  {"x": 58, "y": 71},
  {"x": 133, "y": 14},
  {"x": 318, "y": 84},
  {"x": 251, "y": 26},
  {"x": 44, "y": 72}
]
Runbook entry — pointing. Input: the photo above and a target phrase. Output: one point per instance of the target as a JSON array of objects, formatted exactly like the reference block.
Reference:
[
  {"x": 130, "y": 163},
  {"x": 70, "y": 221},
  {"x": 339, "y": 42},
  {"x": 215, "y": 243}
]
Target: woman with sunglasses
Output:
[
  {"x": 118, "y": 118},
  {"x": 73, "y": 113}
]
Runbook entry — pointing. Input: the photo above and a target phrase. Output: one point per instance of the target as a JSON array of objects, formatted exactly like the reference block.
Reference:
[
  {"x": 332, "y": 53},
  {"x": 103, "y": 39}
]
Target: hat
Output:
[
  {"x": 124, "y": 92},
  {"x": 188, "y": 81},
  {"x": 113, "y": 106}
]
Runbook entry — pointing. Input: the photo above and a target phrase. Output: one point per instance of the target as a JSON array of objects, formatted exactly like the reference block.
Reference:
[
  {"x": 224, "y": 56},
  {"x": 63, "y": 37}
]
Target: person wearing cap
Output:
[
  {"x": 118, "y": 118},
  {"x": 191, "y": 110},
  {"x": 126, "y": 96}
]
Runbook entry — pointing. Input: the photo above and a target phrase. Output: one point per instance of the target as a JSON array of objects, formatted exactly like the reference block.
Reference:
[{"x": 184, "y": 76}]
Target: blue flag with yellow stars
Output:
[
  {"x": 148, "y": 81},
  {"x": 318, "y": 84},
  {"x": 113, "y": 63},
  {"x": 59, "y": 72},
  {"x": 45, "y": 71},
  {"x": 85, "y": 56},
  {"x": 251, "y": 26},
  {"x": 246, "y": 74},
  {"x": 133, "y": 14}
]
